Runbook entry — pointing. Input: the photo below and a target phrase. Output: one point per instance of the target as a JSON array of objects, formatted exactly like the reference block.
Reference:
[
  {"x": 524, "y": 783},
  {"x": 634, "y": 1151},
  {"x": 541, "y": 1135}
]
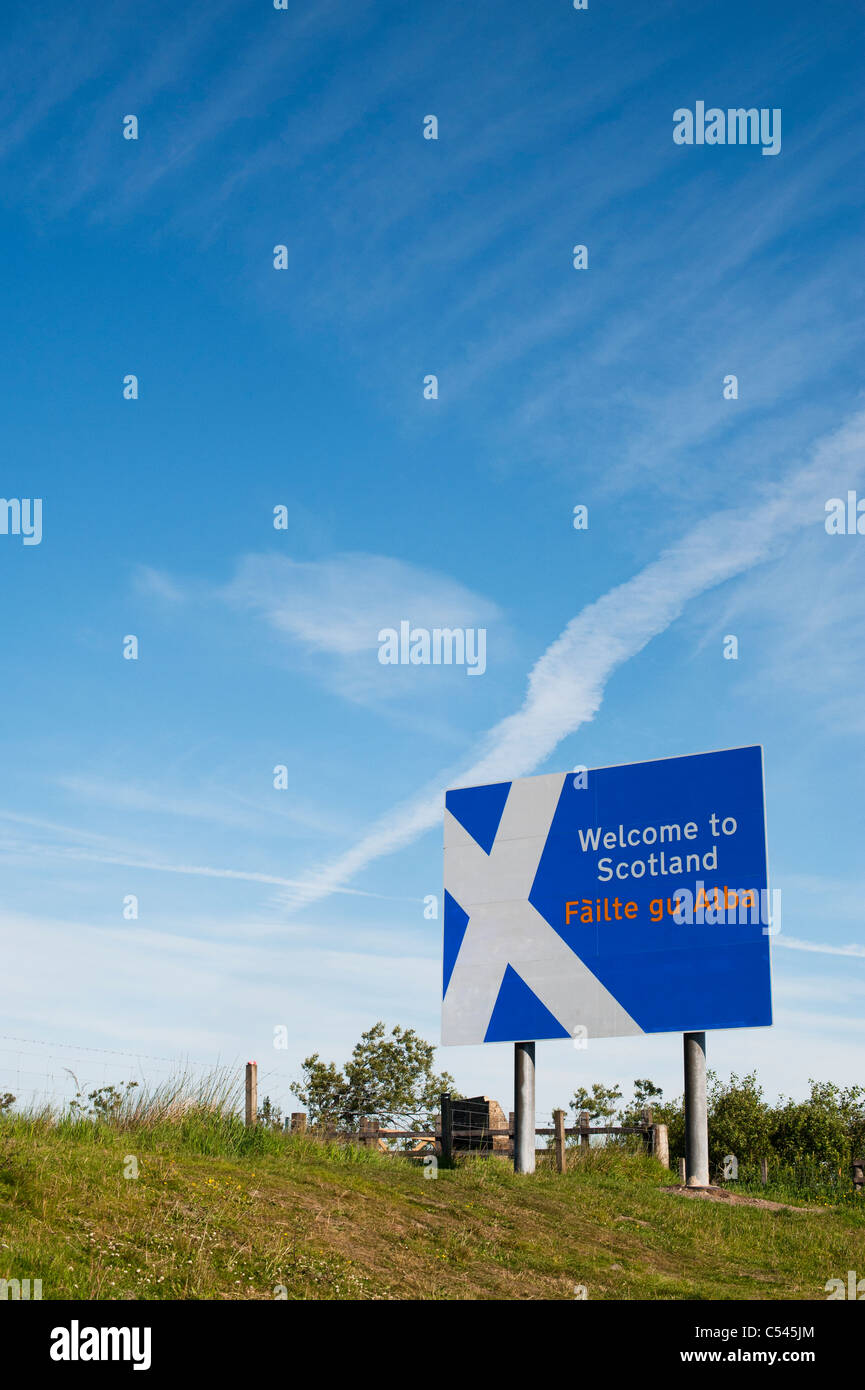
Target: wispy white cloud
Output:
[
  {"x": 39, "y": 823},
  {"x": 567, "y": 683},
  {"x": 329, "y": 613},
  {"x": 834, "y": 897},
  {"x": 339, "y": 605},
  {"x": 196, "y": 870},
  {"x": 156, "y": 583},
  {"x": 129, "y": 988},
  {"x": 792, "y": 641},
  {"x": 216, "y": 804},
  {"x": 791, "y": 943},
  {"x": 123, "y": 858},
  {"x": 334, "y": 607}
]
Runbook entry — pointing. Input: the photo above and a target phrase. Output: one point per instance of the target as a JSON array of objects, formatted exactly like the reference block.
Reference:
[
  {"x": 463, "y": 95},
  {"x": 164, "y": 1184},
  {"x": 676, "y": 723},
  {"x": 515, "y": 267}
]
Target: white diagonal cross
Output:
[{"x": 505, "y": 929}]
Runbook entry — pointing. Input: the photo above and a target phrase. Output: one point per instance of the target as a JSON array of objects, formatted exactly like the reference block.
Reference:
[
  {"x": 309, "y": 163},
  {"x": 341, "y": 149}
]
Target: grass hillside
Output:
[{"x": 220, "y": 1212}]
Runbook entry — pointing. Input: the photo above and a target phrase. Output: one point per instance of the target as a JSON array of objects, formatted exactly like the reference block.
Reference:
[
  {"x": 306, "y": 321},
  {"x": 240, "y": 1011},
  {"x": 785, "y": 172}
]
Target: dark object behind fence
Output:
[{"x": 477, "y": 1125}]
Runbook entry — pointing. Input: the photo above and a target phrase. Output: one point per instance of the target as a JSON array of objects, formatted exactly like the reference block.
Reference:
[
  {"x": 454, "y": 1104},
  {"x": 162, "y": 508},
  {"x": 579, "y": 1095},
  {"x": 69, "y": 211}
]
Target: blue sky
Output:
[{"x": 304, "y": 388}]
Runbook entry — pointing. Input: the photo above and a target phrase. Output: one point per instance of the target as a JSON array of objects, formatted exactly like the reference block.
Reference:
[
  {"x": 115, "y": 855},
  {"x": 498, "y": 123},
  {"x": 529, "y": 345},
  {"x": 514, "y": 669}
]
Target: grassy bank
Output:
[{"x": 220, "y": 1212}]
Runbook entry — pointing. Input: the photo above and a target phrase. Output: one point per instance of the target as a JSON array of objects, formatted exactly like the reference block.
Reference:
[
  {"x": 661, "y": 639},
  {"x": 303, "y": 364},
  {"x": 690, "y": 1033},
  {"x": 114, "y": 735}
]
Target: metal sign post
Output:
[
  {"x": 696, "y": 1115},
  {"x": 524, "y": 1107}
]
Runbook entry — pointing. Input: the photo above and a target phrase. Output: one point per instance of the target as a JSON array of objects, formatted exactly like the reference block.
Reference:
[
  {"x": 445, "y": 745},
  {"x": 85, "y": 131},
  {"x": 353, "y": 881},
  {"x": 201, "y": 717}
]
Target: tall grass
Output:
[
  {"x": 198, "y": 1115},
  {"x": 812, "y": 1181},
  {"x": 200, "y": 1112}
]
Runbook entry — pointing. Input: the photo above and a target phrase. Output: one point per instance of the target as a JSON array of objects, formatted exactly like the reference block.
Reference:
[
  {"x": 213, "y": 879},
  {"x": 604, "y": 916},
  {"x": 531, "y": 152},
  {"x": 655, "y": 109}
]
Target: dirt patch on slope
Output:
[{"x": 737, "y": 1199}]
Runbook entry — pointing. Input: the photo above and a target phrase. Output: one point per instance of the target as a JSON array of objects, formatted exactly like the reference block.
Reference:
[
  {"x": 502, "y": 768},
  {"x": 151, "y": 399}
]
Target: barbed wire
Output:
[
  {"x": 81, "y": 1047},
  {"x": 74, "y": 1069}
]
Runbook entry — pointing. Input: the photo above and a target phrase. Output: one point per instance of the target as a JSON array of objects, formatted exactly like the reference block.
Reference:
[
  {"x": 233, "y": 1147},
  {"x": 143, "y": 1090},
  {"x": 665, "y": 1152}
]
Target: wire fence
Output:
[{"x": 45, "y": 1072}]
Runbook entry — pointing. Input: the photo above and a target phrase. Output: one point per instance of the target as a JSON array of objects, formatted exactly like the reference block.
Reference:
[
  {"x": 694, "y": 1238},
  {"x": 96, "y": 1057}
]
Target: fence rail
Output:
[
  {"x": 453, "y": 1136},
  {"x": 483, "y": 1133}
]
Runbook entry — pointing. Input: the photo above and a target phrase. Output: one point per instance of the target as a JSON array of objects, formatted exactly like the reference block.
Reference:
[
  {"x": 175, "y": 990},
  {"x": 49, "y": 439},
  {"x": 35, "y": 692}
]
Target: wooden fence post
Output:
[
  {"x": 369, "y": 1133},
  {"x": 764, "y": 1171},
  {"x": 251, "y": 1093},
  {"x": 585, "y": 1137},
  {"x": 298, "y": 1122},
  {"x": 559, "y": 1122},
  {"x": 447, "y": 1126},
  {"x": 648, "y": 1136},
  {"x": 662, "y": 1145},
  {"x": 682, "y": 1171}
]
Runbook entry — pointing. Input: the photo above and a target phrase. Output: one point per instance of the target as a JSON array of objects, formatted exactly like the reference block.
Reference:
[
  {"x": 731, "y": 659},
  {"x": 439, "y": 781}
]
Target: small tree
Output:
[
  {"x": 322, "y": 1091},
  {"x": 645, "y": 1093},
  {"x": 851, "y": 1102},
  {"x": 269, "y": 1114},
  {"x": 815, "y": 1130},
  {"x": 601, "y": 1103},
  {"x": 106, "y": 1103},
  {"x": 389, "y": 1076},
  {"x": 739, "y": 1120}
]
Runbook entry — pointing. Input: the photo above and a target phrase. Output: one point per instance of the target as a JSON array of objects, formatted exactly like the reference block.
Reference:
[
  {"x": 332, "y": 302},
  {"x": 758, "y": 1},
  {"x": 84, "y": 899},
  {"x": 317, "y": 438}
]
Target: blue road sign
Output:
[{"x": 616, "y": 901}]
